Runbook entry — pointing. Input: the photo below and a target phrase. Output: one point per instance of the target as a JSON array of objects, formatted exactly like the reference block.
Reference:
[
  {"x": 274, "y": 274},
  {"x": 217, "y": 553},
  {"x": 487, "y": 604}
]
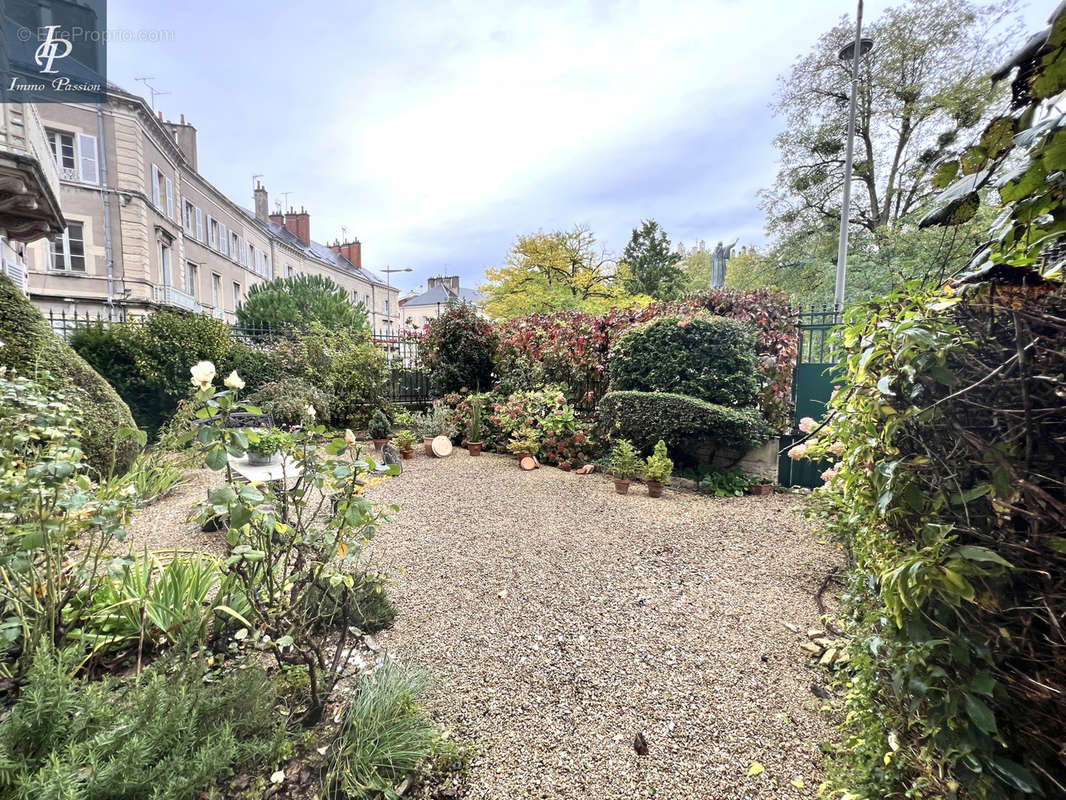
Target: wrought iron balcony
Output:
[{"x": 175, "y": 298}]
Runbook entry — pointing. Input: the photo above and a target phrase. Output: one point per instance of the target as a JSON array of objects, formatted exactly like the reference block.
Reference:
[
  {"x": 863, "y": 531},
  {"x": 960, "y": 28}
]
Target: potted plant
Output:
[
  {"x": 473, "y": 431},
  {"x": 624, "y": 465},
  {"x": 405, "y": 443},
  {"x": 564, "y": 466},
  {"x": 657, "y": 469},
  {"x": 379, "y": 428},
  {"x": 762, "y": 486},
  {"x": 263, "y": 446},
  {"x": 524, "y": 442}
]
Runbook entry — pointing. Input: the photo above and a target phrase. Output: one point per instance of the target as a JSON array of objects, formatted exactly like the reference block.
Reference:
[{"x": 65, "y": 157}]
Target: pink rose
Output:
[
  {"x": 807, "y": 424},
  {"x": 837, "y": 448}
]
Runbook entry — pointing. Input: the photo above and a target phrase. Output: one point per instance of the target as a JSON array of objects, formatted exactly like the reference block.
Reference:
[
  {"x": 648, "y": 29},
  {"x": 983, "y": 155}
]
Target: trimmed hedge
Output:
[
  {"x": 686, "y": 424},
  {"x": 31, "y": 348},
  {"x": 703, "y": 356}
]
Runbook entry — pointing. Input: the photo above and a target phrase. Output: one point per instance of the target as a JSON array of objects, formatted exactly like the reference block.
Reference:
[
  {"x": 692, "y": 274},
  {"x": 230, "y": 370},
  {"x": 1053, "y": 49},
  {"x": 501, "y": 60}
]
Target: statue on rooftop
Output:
[{"x": 719, "y": 257}]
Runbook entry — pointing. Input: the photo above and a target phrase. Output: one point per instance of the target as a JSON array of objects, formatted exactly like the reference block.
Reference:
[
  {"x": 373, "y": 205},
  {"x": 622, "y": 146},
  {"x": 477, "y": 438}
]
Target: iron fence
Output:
[{"x": 816, "y": 326}]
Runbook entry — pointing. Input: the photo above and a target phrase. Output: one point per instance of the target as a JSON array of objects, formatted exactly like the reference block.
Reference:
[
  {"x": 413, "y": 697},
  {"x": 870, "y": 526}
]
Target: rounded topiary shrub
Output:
[
  {"x": 687, "y": 425},
  {"x": 32, "y": 348},
  {"x": 706, "y": 357}
]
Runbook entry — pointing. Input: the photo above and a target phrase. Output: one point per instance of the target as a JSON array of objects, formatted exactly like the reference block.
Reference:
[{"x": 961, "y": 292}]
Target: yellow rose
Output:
[
  {"x": 349, "y": 437},
  {"x": 234, "y": 381}
]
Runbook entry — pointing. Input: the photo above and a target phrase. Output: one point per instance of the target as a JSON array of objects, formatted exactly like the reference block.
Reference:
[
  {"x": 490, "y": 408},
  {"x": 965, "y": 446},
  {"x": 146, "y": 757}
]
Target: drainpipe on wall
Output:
[{"x": 106, "y": 197}]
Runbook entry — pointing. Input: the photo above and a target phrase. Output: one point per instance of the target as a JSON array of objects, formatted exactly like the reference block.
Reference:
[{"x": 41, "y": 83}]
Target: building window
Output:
[
  {"x": 157, "y": 187},
  {"x": 67, "y": 249},
  {"x": 288, "y": 271},
  {"x": 199, "y": 224},
  {"x": 236, "y": 294},
  {"x": 164, "y": 263},
  {"x": 234, "y": 245},
  {"x": 188, "y": 216},
  {"x": 170, "y": 198},
  {"x": 63, "y": 151},
  {"x": 212, "y": 232},
  {"x": 192, "y": 280},
  {"x": 216, "y": 290},
  {"x": 252, "y": 256}
]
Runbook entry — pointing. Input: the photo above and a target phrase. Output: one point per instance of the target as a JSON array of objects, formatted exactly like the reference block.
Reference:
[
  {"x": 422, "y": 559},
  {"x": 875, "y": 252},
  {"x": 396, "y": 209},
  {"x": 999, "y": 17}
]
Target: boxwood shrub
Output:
[
  {"x": 686, "y": 424},
  {"x": 702, "y": 356}
]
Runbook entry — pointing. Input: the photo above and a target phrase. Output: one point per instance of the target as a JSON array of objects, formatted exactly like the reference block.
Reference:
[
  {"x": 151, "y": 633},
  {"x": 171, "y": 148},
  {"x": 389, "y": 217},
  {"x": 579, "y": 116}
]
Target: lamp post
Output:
[
  {"x": 388, "y": 290},
  {"x": 853, "y": 52}
]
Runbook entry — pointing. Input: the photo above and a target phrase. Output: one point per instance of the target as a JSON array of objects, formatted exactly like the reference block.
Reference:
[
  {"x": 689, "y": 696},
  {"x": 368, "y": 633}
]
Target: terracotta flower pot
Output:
[
  {"x": 408, "y": 454},
  {"x": 427, "y": 442},
  {"x": 622, "y": 487},
  {"x": 761, "y": 489},
  {"x": 474, "y": 448},
  {"x": 655, "y": 489},
  {"x": 379, "y": 443}
]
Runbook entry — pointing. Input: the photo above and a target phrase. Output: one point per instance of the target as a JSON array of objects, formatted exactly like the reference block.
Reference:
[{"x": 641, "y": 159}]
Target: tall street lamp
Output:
[
  {"x": 850, "y": 52},
  {"x": 388, "y": 291}
]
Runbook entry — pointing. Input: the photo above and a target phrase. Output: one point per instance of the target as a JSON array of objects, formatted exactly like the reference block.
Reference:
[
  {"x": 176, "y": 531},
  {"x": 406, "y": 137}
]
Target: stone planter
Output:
[
  {"x": 620, "y": 486},
  {"x": 655, "y": 489},
  {"x": 762, "y": 489},
  {"x": 474, "y": 448},
  {"x": 256, "y": 460}
]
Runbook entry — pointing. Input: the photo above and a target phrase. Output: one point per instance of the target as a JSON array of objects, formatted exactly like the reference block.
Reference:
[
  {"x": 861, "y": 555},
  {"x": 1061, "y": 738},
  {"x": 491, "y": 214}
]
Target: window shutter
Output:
[
  {"x": 170, "y": 198},
  {"x": 210, "y": 231},
  {"x": 87, "y": 149},
  {"x": 199, "y": 224},
  {"x": 223, "y": 237},
  {"x": 155, "y": 185}
]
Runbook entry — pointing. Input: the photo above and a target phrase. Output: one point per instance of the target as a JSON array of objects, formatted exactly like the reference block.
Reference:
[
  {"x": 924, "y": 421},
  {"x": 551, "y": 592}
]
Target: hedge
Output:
[
  {"x": 703, "y": 356},
  {"x": 686, "y": 424},
  {"x": 32, "y": 348}
]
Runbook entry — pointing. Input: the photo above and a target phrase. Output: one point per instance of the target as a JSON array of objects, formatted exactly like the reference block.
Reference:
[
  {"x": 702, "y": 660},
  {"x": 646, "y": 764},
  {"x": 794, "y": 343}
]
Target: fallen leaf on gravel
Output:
[
  {"x": 755, "y": 769},
  {"x": 278, "y": 776},
  {"x": 640, "y": 744},
  {"x": 798, "y": 783}
]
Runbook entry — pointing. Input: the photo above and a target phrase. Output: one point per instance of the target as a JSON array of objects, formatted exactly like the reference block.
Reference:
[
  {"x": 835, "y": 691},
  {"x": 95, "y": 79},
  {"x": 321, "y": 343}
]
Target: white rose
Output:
[
  {"x": 310, "y": 411},
  {"x": 234, "y": 381},
  {"x": 349, "y": 437},
  {"x": 203, "y": 374}
]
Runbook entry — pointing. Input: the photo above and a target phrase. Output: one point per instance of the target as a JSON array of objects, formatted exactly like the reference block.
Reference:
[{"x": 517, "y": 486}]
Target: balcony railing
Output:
[
  {"x": 218, "y": 313},
  {"x": 169, "y": 296},
  {"x": 27, "y": 164}
]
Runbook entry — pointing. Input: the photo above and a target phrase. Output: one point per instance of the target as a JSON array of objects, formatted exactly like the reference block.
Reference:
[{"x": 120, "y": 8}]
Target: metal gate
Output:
[{"x": 812, "y": 385}]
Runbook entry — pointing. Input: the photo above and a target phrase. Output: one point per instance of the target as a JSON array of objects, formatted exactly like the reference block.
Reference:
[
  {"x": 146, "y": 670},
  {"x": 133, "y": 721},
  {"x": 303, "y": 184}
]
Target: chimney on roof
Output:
[
  {"x": 261, "y": 205},
  {"x": 298, "y": 224},
  {"x": 351, "y": 250},
  {"x": 449, "y": 282},
  {"x": 185, "y": 137}
]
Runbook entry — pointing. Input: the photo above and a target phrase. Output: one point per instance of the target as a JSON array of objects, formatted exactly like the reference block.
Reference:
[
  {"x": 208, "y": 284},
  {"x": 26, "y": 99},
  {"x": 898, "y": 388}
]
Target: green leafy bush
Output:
[
  {"x": 363, "y": 604},
  {"x": 524, "y": 441},
  {"x": 31, "y": 348},
  {"x": 726, "y": 482},
  {"x": 458, "y": 349},
  {"x": 948, "y": 495},
  {"x": 659, "y": 465},
  {"x": 46, "y": 505},
  {"x": 348, "y": 367},
  {"x": 379, "y": 426},
  {"x": 158, "y": 736},
  {"x": 148, "y": 362},
  {"x": 286, "y": 400},
  {"x": 709, "y": 358},
  {"x": 299, "y": 301},
  {"x": 257, "y": 364},
  {"x": 624, "y": 462},
  {"x": 265, "y": 443},
  {"x": 385, "y": 737},
  {"x": 685, "y": 424}
]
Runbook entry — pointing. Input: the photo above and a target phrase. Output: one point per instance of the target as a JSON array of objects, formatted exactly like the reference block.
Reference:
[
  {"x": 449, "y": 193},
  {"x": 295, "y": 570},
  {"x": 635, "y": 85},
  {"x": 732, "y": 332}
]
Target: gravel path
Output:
[{"x": 560, "y": 619}]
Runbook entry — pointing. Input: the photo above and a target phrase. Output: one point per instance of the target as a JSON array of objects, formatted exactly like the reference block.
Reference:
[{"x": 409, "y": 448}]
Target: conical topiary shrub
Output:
[{"x": 32, "y": 348}]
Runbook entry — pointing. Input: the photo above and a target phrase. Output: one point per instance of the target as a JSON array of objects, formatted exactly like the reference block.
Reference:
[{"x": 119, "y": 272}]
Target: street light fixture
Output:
[
  {"x": 388, "y": 288},
  {"x": 853, "y": 51}
]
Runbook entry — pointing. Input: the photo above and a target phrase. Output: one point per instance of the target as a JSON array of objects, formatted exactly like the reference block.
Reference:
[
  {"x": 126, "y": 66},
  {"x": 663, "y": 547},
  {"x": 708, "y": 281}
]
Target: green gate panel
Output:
[{"x": 813, "y": 386}]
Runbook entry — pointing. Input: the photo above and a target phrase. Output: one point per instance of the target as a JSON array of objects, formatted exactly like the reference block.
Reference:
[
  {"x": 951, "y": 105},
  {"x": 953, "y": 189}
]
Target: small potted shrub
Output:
[
  {"x": 624, "y": 465},
  {"x": 263, "y": 446},
  {"x": 379, "y": 428},
  {"x": 657, "y": 469},
  {"x": 473, "y": 431},
  {"x": 762, "y": 486},
  {"x": 524, "y": 442},
  {"x": 405, "y": 443}
]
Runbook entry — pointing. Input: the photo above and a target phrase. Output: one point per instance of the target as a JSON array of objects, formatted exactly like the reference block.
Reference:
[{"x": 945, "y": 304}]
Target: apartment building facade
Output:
[
  {"x": 145, "y": 230},
  {"x": 418, "y": 308}
]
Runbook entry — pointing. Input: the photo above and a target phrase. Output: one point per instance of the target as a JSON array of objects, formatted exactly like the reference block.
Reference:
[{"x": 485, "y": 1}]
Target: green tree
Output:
[
  {"x": 299, "y": 301},
  {"x": 652, "y": 266},
  {"x": 557, "y": 271}
]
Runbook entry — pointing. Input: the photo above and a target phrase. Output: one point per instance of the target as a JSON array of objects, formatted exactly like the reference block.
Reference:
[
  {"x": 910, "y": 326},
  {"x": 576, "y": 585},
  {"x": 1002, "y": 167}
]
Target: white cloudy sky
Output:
[{"x": 438, "y": 131}]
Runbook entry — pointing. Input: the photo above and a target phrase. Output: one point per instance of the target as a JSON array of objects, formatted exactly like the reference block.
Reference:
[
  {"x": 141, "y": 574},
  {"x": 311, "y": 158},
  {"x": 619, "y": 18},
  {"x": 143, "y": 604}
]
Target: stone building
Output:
[
  {"x": 417, "y": 308},
  {"x": 145, "y": 230}
]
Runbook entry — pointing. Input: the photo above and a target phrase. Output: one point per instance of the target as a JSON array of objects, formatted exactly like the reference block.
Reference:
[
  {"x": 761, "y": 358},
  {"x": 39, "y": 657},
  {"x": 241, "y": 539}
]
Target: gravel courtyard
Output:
[{"x": 560, "y": 619}]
